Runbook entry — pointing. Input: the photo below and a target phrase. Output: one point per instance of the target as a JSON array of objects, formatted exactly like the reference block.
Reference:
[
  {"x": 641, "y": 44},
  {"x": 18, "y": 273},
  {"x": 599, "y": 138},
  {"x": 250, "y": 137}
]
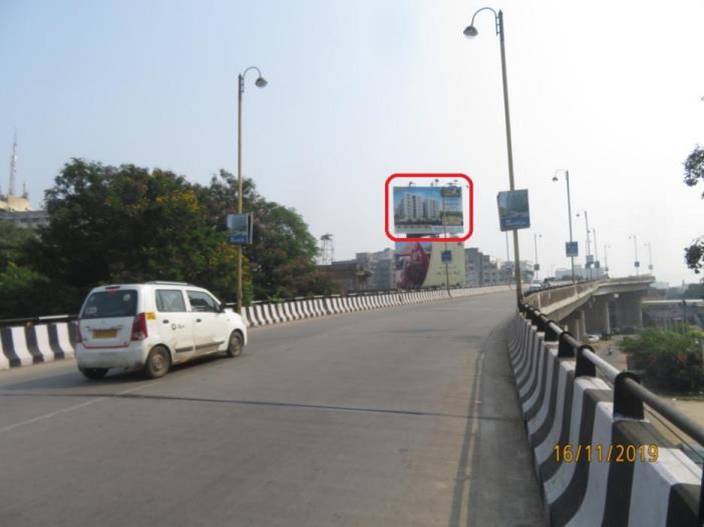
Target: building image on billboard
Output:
[
  {"x": 427, "y": 264},
  {"x": 428, "y": 210}
]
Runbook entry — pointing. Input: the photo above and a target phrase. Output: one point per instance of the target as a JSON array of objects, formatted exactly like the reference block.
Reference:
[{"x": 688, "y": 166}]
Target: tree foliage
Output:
[
  {"x": 672, "y": 359},
  {"x": 130, "y": 224},
  {"x": 693, "y": 174}
]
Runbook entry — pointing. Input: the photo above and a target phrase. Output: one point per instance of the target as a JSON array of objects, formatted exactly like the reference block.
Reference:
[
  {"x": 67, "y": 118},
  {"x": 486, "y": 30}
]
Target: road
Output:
[{"x": 405, "y": 416}]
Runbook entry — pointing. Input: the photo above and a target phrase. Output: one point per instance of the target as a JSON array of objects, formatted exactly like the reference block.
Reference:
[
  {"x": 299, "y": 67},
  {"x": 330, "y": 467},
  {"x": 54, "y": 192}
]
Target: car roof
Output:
[{"x": 146, "y": 284}]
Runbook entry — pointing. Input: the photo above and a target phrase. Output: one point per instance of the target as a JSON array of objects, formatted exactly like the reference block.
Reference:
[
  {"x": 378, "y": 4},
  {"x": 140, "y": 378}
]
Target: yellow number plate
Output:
[{"x": 104, "y": 333}]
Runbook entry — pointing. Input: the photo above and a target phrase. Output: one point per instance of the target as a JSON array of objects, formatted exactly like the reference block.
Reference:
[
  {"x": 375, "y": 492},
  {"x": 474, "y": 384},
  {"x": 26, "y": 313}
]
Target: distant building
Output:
[
  {"x": 380, "y": 266},
  {"x": 347, "y": 274},
  {"x": 480, "y": 269},
  {"x": 17, "y": 208}
]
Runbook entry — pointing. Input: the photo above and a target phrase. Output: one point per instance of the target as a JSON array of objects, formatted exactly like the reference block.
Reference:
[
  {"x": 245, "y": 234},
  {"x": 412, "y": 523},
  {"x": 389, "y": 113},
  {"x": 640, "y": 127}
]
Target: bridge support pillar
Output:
[
  {"x": 576, "y": 324},
  {"x": 628, "y": 310},
  {"x": 597, "y": 316}
]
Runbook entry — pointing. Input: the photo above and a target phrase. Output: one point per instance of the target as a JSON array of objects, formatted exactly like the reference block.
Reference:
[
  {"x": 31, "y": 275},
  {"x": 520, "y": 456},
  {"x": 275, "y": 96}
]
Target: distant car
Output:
[
  {"x": 593, "y": 337},
  {"x": 152, "y": 326},
  {"x": 536, "y": 285}
]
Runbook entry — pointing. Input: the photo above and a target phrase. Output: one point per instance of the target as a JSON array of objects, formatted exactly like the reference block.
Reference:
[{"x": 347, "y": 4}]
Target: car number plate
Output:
[{"x": 104, "y": 333}]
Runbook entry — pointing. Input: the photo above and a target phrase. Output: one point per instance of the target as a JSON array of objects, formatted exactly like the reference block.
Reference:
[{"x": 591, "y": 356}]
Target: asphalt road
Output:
[{"x": 405, "y": 416}]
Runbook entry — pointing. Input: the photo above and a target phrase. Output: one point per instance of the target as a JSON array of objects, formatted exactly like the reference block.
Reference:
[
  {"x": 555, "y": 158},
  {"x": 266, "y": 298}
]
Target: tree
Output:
[
  {"x": 693, "y": 174},
  {"x": 128, "y": 224},
  {"x": 671, "y": 359},
  {"x": 12, "y": 241}
]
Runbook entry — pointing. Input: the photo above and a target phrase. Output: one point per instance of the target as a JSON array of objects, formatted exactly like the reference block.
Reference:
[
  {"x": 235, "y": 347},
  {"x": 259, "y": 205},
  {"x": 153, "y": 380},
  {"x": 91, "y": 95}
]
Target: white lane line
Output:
[{"x": 7, "y": 428}]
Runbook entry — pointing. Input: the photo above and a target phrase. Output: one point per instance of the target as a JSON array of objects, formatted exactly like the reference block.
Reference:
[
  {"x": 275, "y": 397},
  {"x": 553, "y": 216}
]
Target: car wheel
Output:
[
  {"x": 93, "y": 373},
  {"x": 234, "y": 346},
  {"x": 158, "y": 363}
]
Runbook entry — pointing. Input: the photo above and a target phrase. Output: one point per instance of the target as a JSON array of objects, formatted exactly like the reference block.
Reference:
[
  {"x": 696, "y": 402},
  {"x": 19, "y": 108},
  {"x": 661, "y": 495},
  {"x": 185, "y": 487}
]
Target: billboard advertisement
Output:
[
  {"x": 514, "y": 212},
  {"x": 428, "y": 210},
  {"x": 427, "y": 264}
]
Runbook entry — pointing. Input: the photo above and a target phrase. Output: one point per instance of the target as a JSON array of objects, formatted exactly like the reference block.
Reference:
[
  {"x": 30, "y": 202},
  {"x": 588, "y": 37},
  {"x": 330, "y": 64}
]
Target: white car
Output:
[{"x": 152, "y": 326}]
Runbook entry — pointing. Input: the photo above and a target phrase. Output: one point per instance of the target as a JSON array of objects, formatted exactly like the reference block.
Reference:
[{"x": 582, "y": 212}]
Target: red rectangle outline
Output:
[{"x": 433, "y": 176}]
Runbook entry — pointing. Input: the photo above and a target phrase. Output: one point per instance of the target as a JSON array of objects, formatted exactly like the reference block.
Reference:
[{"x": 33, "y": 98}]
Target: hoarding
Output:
[
  {"x": 239, "y": 228},
  {"x": 427, "y": 264},
  {"x": 428, "y": 210},
  {"x": 514, "y": 212}
]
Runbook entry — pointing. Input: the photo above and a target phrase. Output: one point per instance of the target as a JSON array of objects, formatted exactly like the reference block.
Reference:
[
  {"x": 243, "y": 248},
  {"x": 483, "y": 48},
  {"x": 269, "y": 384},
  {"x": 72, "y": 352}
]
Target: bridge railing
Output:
[{"x": 630, "y": 395}]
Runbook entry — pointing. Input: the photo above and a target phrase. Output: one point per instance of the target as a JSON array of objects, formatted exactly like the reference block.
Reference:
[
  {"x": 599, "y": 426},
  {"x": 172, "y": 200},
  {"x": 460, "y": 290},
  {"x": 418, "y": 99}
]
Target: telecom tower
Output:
[{"x": 327, "y": 250}]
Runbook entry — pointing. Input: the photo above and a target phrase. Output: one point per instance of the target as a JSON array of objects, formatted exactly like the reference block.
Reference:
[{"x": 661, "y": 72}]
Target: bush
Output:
[{"x": 670, "y": 359}]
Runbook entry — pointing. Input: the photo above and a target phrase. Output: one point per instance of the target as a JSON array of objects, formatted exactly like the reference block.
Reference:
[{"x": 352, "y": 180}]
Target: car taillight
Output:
[
  {"x": 79, "y": 338},
  {"x": 139, "y": 327}
]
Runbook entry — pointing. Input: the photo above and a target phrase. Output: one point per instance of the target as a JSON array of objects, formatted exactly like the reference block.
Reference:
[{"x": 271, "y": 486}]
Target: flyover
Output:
[
  {"x": 599, "y": 306},
  {"x": 399, "y": 416}
]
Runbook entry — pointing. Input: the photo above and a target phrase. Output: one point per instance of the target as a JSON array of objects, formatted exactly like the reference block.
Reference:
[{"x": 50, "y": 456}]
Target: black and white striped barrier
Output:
[
  {"x": 45, "y": 341},
  {"x": 598, "y": 462}
]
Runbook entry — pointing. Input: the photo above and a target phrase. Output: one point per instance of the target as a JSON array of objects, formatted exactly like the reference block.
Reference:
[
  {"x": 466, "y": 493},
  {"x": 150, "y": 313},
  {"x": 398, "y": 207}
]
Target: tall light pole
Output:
[
  {"x": 606, "y": 259},
  {"x": 471, "y": 31},
  {"x": 650, "y": 256},
  {"x": 636, "y": 263},
  {"x": 589, "y": 245},
  {"x": 260, "y": 82},
  {"x": 569, "y": 209},
  {"x": 596, "y": 253},
  {"x": 536, "y": 267}
]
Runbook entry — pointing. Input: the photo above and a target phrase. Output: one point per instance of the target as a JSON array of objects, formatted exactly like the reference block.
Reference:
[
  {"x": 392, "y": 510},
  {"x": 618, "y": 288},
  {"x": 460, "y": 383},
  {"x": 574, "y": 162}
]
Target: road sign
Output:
[
  {"x": 571, "y": 249},
  {"x": 239, "y": 228},
  {"x": 636, "y": 263},
  {"x": 536, "y": 267},
  {"x": 590, "y": 260},
  {"x": 514, "y": 212},
  {"x": 446, "y": 256}
]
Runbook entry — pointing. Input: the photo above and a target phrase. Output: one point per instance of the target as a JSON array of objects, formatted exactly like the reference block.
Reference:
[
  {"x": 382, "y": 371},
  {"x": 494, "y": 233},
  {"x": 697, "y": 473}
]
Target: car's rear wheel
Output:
[
  {"x": 234, "y": 346},
  {"x": 93, "y": 373},
  {"x": 158, "y": 363}
]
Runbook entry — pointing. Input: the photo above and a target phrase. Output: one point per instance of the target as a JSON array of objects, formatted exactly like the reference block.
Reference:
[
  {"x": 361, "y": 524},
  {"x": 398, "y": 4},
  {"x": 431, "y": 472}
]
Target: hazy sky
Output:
[{"x": 362, "y": 89}]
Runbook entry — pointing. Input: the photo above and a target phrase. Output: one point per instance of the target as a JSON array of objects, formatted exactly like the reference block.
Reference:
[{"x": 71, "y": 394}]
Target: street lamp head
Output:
[
  {"x": 470, "y": 32},
  {"x": 554, "y": 178},
  {"x": 260, "y": 82}
]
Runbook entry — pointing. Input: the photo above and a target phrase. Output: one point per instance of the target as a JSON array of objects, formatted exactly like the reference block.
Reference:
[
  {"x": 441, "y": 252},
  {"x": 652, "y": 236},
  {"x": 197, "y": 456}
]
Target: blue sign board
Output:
[
  {"x": 446, "y": 256},
  {"x": 239, "y": 229},
  {"x": 514, "y": 212},
  {"x": 571, "y": 249}
]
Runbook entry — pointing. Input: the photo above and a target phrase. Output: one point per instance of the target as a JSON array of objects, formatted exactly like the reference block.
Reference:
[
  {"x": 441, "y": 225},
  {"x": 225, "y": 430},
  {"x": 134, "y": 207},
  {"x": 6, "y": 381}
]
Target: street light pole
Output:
[
  {"x": 650, "y": 256},
  {"x": 471, "y": 31},
  {"x": 535, "y": 241},
  {"x": 606, "y": 259},
  {"x": 636, "y": 263},
  {"x": 589, "y": 245},
  {"x": 596, "y": 253},
  {"x": 569, "y": 211},
  {"x": 260, "y": 83}
]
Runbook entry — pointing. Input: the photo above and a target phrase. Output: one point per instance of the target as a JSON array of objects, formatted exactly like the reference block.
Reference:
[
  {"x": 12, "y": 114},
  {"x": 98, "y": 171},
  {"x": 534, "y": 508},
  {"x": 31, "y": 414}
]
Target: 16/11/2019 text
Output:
[{"x": 617, "y": 453}]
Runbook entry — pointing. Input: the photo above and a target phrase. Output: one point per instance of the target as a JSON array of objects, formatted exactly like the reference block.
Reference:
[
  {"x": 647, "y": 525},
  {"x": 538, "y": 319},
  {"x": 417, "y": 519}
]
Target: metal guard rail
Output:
[{"x": 629, "y": 393}]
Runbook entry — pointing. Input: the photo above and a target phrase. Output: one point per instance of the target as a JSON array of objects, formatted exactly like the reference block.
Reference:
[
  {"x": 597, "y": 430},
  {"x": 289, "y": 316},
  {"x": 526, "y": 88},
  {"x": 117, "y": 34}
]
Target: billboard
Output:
[
  {"x": 428, "y": 210},
  {"x": 514, "y": 212},
  {"x": 239, "y": 228},
  {"x": 427, "y": 264}
]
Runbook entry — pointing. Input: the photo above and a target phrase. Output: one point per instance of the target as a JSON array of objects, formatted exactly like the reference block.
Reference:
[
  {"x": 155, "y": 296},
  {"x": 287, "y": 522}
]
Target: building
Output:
[
  {"x": 507, "y": 272},
  {"x": 17, "y": 209},
  {"x": 347, "y": 274},
  {"x": 480, "y": 269},
  {"x": 381, "y": 268}
]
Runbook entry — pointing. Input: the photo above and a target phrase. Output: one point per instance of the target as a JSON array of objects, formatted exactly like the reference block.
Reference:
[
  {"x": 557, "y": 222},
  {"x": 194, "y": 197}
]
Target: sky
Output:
[{"x": 362, "y": 89}]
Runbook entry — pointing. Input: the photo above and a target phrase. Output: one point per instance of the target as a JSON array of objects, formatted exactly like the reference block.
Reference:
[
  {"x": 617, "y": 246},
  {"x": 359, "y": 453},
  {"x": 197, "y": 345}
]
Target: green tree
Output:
[
  {"x": 12, "y": 242},
  {"x": 281, "y": 259},
  {"x": 128, "y": 224},
  {"x": 693, "y": 174},
  {"x": 671, "y": 359}
]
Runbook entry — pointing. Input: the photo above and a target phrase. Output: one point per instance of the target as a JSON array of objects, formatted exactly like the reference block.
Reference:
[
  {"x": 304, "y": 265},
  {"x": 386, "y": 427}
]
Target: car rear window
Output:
[{"x": 111, "y": 304}]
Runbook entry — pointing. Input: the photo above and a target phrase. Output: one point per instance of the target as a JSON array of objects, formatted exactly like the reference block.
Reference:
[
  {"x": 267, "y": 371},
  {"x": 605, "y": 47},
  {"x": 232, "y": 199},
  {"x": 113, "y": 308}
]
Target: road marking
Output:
[{"x": 7, "y": 428}]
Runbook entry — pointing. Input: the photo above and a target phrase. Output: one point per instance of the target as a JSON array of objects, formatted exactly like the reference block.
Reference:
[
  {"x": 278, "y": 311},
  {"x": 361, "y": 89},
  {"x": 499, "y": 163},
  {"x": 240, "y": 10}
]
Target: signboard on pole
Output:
[
  {"x": 590, "y": 259},
  {"x": 240, "y": 228},
  {"x": 536, "y": 267},
  {"x": 514, "y": 212},
  {"x": 571, "y": 249},
  {"x": 446, "y": 256}
]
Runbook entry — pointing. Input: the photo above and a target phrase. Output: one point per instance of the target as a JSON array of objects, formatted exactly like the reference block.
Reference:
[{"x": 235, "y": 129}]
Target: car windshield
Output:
[{"x": 111, "y": 304}]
